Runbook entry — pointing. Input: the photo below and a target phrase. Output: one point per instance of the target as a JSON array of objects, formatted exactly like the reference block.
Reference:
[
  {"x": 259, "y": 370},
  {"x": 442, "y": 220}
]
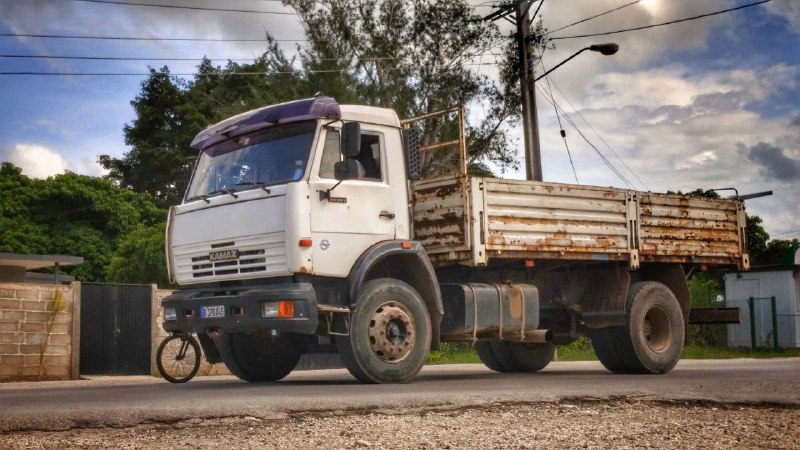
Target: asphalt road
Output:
[{"x": 129, "y": 401}]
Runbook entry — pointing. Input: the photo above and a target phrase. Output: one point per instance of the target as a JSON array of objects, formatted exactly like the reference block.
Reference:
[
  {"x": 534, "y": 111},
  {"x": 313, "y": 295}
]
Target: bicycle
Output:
[{"x": 178, "y": 358}]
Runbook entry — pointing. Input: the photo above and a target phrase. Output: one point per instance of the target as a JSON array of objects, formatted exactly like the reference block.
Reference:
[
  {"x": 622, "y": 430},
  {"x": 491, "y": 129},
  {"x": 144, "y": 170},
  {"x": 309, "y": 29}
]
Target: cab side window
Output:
[
  {"x": 330, "y": 154},
  {"x": 370, "y": 156}
]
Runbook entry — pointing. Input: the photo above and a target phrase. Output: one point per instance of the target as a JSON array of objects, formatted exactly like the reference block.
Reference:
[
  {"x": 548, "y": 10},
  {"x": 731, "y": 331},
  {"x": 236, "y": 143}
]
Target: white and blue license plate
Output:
[{"x": 212, "y": 312}]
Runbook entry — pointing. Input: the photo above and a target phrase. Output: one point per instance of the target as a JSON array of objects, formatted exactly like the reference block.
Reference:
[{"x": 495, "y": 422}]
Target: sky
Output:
[{"x": 708, "y": 103}]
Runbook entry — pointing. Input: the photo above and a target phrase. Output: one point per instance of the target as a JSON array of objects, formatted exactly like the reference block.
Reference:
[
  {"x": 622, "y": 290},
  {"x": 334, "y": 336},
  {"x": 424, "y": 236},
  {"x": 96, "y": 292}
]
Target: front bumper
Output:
[{"x": 242, "y": 306}]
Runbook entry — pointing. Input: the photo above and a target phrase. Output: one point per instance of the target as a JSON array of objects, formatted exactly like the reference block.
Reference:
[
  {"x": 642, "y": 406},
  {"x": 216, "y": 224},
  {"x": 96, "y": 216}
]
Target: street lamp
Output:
[
  {"x": 605, "y": 49},
  {"x": 530, "y": 120}
]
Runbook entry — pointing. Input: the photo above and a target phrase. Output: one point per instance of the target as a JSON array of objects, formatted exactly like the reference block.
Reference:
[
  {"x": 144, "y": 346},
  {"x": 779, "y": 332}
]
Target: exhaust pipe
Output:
[{"x": 539, "y": 336}]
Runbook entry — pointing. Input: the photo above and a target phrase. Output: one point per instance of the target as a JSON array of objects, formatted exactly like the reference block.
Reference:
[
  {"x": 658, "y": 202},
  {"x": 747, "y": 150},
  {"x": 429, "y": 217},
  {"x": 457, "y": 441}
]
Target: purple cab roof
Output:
[{"x": 312, "y": 108}]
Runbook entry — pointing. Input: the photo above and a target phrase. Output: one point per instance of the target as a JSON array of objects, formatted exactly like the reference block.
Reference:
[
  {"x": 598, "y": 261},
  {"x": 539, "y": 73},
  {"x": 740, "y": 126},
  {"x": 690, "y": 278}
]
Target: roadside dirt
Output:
[{"x": 577, "y": 424}]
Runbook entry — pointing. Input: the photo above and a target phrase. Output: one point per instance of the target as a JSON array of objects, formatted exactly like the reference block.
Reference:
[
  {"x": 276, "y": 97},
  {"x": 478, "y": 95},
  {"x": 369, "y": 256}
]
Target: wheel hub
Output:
[
  {"x": 391, "y": 332},
  {"x": 656, "y": 330}
]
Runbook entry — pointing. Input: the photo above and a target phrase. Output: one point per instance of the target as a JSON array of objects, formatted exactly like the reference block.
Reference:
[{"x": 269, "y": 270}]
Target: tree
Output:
[
  {"x": 140, "y": 258},
  {"x": 412, "y": 56},
  {"x": 69, "y": 214}
]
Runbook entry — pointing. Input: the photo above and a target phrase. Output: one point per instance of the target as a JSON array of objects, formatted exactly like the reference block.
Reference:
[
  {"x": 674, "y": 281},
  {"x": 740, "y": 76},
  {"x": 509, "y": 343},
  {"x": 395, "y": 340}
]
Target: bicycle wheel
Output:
[{"x": 178, "y": 358}]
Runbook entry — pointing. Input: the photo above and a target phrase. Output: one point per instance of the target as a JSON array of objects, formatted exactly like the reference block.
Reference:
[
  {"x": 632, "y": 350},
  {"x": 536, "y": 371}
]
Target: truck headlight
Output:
[
  {"x": 281, "y": 308},
  {"x": 170, "y": 315}
]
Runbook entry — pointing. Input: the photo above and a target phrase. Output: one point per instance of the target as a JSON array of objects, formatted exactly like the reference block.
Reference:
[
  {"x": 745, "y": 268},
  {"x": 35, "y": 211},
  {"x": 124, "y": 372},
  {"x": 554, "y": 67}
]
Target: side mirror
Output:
[
  {"x": 348, "y": 169},
  {"x": 351, "y": 139}
]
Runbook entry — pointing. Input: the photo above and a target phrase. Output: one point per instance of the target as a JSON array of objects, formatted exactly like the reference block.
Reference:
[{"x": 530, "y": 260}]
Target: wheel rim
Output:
[
  {"x": 178, "y": 358},
  {"x": 391, "y": 332},
  {"x": 657, "y": 330}
]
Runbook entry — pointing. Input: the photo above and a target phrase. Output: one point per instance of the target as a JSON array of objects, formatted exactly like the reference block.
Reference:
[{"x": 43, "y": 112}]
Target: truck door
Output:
[{"x": 360, "y": 212}]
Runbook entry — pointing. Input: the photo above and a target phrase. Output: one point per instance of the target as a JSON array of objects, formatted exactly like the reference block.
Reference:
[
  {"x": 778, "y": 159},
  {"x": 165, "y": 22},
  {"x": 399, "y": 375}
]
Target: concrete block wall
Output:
[{"x": 23, "y": 318}]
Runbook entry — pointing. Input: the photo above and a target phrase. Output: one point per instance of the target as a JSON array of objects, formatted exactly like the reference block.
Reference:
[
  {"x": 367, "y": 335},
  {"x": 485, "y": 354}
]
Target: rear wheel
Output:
[
  {"x": 390, "y": 333},
  {"x": 506, "y": 356},
  {"x": 489, "y": 359},
  {"x": 652, "y": 340},
  {"x": 529, "y": 357},
  {"x": 606, "y": 351},
  {"x": 261, "y": 358}
]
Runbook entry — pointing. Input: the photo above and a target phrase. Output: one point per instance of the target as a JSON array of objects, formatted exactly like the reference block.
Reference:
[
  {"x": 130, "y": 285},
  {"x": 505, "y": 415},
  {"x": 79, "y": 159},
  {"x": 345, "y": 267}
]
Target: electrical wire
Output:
[
  {"x": 574, "y": 126},
  {"x": 136, "y": 38},
  {"x": 595, "y": 16},
  {"x": 561, "y": 127},
  {"x": 596, "y": 133},
  {"x": 125, "y": 58},
  {"x": 195, "y": 8},
  {"x": 645, "y": 27}
]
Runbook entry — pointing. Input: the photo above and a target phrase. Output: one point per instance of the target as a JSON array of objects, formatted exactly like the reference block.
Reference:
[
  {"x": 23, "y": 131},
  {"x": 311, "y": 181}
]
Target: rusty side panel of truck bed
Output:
[{"x": 472, "y": 220}]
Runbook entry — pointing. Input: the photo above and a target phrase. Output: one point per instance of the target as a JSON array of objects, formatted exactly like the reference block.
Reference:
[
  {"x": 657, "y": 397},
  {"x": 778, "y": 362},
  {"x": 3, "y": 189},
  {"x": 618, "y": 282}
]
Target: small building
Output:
[
  {"x": 782, "y": 315},
  {"x": 16, "y": 267}
]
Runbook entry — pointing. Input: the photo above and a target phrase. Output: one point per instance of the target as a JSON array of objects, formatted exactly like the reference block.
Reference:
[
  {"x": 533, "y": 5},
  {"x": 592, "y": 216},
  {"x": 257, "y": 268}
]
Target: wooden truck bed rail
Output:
[{"x": 470, "y": 220}]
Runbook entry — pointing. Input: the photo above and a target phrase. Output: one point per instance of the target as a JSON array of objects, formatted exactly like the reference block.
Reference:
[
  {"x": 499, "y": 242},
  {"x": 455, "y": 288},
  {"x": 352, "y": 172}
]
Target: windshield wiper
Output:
[
  {"x": 221, "y": 191},
  {"x": 256, "y": 184}
]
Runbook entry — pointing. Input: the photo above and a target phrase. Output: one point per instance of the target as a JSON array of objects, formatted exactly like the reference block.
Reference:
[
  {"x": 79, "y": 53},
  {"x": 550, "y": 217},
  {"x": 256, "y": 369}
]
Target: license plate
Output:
[{"x": 212, "y": 312}]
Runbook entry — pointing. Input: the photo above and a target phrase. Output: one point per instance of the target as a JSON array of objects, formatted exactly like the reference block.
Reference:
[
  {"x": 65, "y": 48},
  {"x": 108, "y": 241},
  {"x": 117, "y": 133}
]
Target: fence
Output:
[{"x": 39, "y": 331}]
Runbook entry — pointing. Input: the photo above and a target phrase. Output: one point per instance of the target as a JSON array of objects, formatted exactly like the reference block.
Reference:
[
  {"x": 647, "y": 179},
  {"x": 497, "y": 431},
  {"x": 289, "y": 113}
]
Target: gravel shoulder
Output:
[{"x": 617, "y": 423}]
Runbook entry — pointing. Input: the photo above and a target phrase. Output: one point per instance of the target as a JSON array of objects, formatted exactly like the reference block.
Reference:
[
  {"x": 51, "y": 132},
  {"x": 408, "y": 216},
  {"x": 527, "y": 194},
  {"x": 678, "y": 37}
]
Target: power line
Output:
[
  {"x": 574, "y": 126},
  {"x": 608, "y": 146},
  {"x": 195, "y": 8},
  {"x": 136, "y": 38},
  {"x": 119, "y": 58},
  {"x": 594, "y": 17},
  {"x": 645, "y": 27},
  {"x": 143, "y": 74},
  {"x": 125, "y": 58}
]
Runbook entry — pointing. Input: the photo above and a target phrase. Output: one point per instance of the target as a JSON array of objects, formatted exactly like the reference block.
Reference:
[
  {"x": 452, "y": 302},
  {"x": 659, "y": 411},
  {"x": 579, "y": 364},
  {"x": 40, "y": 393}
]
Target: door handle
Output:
[{"x": 386, "y": 214}]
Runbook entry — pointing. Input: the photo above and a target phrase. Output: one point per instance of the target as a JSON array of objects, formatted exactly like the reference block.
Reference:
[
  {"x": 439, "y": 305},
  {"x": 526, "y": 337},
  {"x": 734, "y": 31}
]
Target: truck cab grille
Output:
[{"x": 249, "y": 261}]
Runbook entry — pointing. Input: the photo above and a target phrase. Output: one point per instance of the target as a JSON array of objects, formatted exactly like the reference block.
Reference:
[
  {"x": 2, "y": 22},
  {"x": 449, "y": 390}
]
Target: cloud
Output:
[
  {"x": 789, "y": 10},
  {"x": 37, "y": 161},
  {"x": 774, "y": 163}
]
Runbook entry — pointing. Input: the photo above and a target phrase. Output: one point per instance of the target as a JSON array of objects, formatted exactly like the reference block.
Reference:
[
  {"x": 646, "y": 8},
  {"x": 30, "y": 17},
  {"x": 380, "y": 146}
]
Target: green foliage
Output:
[
  {"x": 579, "y": 350},
  {"x": 703, "y": 291},
  {"x": 140, "y": 258},
  {"x": 69, "y": 214},
  {"x": 757, "y": 238},
  {"x": 454, "y": 353},
  {"x": 721, "y": 352}
]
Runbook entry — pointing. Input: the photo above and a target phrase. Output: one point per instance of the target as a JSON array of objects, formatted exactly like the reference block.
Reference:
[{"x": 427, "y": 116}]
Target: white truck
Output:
[{"x": 314, "y": 226}]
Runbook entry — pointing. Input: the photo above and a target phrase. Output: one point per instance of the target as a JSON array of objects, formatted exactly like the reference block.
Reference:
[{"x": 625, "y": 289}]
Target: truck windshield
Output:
[{"x": 276, "y": 155}]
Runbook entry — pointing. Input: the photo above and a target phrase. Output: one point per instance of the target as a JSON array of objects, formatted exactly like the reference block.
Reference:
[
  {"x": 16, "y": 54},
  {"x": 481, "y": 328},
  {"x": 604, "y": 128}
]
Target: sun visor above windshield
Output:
[{"x": 312, "y": 108}]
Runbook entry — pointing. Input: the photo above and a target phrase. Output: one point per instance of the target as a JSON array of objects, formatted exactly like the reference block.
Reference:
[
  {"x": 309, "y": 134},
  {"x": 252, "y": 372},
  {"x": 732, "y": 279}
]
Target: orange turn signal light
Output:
[
  {"x": 285, "y": 308},
  {"x": 405, "y": 245},
  {"x": 305, "y": 243}
]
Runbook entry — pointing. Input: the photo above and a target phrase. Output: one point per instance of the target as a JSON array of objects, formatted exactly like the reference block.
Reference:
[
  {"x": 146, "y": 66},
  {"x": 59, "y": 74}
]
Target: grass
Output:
[{"x": 581, "y": 350}]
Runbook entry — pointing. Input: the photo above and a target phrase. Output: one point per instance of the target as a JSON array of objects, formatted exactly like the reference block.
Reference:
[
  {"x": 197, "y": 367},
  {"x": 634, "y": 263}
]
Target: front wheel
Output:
[
  {"x": 255, "y": 358},
  {"x": 178, "y": 358},
  {"x": 390, "y": 333}
]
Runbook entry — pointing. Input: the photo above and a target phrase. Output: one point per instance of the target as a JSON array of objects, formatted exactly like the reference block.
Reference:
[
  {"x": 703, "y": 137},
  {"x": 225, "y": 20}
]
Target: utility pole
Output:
[{"x": 530, "y": 118}]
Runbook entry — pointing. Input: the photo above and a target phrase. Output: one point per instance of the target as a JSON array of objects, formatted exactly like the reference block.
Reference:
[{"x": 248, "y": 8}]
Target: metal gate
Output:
[{"x": 115, "y": 329}]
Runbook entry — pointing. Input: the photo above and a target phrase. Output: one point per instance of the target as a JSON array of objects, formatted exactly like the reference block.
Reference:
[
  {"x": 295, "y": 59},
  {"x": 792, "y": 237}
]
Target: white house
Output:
[{"x": 761, "y": 284}]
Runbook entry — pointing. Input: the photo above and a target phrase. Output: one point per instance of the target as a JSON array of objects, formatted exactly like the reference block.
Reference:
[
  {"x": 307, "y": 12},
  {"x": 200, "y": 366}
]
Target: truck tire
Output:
[
  {"x": 652, "y": 340},
  {"x": 390, "y": 333},
  {"x": 260, "y": 358},
  {"x": 606, "y": 351},
  {"x": 528, "y": 357},
  {"x": 489, "y": 359}
]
